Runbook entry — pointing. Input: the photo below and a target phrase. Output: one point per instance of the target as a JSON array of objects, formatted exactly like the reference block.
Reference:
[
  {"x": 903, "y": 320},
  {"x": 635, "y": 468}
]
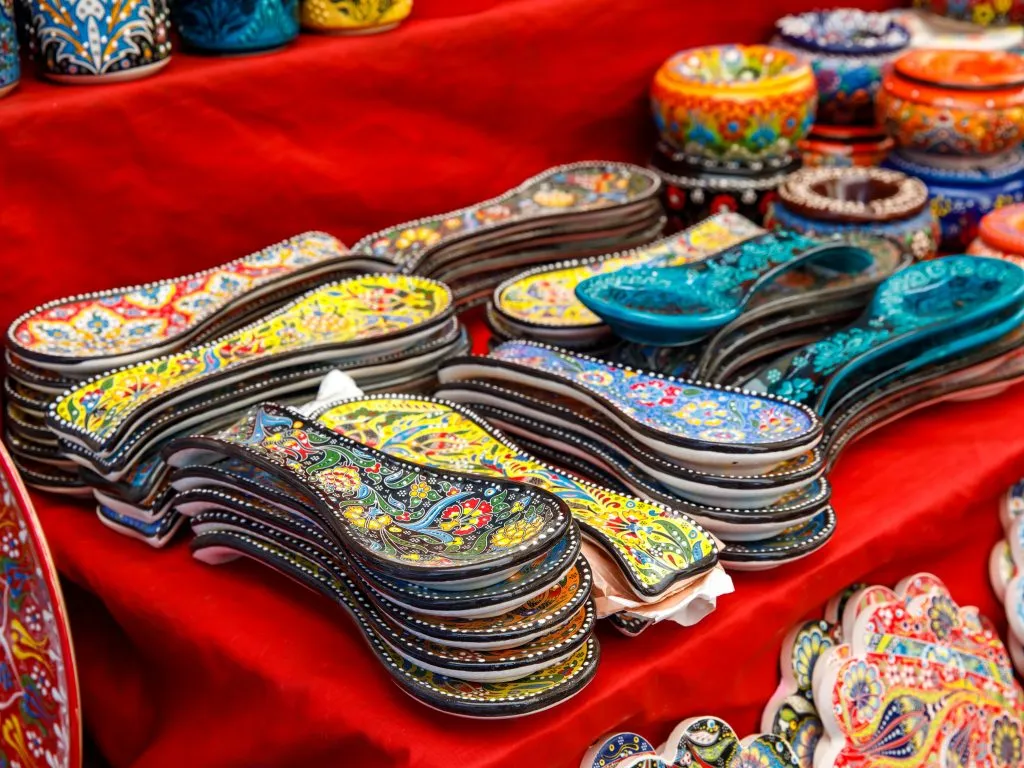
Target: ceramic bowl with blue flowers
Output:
[{"x": 237, "y": 26}]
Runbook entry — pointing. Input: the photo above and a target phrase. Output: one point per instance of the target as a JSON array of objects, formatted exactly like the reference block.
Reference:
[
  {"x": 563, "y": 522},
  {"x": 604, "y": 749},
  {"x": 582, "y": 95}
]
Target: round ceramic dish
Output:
[
  {"x": 694, "y": 188},
  {"x": 981, "y": 12},
  {"x": 233, "y": 26},
  {"x": 847, "y": 49},
  {"x": 734, "y": 101},
  {"x": 845, "y": 146},
  {"x": 1004, "y": 229},
  {"x": 822, "y": 202},
  {"x": 963, "y": 190},
  {"x": 954, "y": 102}
]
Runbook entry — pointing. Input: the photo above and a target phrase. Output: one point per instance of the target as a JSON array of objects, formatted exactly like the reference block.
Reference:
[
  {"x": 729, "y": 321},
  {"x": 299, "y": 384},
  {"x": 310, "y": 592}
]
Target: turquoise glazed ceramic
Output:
[
  {"x": 680, "y": 305},
  {"x": 10, "y": 67},
  {"x": 237, "y": 26}
]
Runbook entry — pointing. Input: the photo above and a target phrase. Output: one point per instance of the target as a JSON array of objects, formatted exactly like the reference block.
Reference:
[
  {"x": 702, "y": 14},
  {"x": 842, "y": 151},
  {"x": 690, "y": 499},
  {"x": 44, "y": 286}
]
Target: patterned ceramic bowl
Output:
[
  {"x": 101, "y": 41},
  {"x": 963, "y": 189},
  {"x": 981, "y": 12},
  {"x": 734, "y": 101},
  {"x": 847, "y": 49},
  {"x": 954, "y": 102},
  {"x": 824, "y": 202},
  {"x": 10, "y": 67},
  {"x": 237, "y": 26},
  {"x": 354, "y": 17},
  {"x": 1003, "y": 230},
  {"x": 845, "y": 146}
]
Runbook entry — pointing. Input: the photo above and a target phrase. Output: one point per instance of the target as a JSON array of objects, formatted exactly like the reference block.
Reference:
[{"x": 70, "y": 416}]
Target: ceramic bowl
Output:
[
  {"x": 361, "y": 17},
  {"x": 983, "y": 13},
  {"x": 954, "y": 102},
  {"x": 848, "y": 49},
  {"x": 10, "y": 64},
  {"x": 828, "y": 202},
  {"x": 734, "y": 101},
  {"x": 1003, "y": 229},
  {"x": 233, "y": 26},
  {"x": 845, "y": 147},
  {"x": 963, "y": 190}
]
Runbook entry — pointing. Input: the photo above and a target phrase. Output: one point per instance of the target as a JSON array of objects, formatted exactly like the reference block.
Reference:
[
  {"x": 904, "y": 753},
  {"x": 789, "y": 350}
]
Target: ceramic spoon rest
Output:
[
  {"x": 556, "y": 195},
  {"x": 156, "y": 532},
  {"x": 792, "y": 544},
  {"x": 653, "y": 546},
  {"x": 97, "y": 331},
  {"x": 708, "y": 427},
  {"x": 452, "y": 695},
  {"x": 367, "y": 315},
  {"x": 680, "y": 305},
  {"x": 409, "y": 522},
  {"x": 942, "y": 296}
]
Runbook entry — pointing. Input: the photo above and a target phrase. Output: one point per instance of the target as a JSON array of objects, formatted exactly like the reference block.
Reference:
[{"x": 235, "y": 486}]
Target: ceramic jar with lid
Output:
[
  {"x": 1001, "y": 234},
  {"x": 964, "y": 189},
  {"x": 984, "y": 13},
  {"x": 101, "y": 41},
  {"x": 354, "y": 17},
  {"x": 947, "y": 102},
  {"x": 844, "y": 146},
  {"x": 827, "y": 202},
  {"x": 237, "y": 26},
  {"x": 847, "y": 49},
  {"x": 734, "y": 102},
  {"x": 10, "y": 66}
]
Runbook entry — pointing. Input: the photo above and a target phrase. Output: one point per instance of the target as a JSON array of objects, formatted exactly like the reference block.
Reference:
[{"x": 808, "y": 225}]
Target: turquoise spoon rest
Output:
[
  {"x": 670, "y": 306},
  {"x": 917, "y": 317}
]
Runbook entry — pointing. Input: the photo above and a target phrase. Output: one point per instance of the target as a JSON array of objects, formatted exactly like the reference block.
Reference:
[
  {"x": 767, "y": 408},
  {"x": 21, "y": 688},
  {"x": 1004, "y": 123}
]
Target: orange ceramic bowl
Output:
[
  {"x": 1003, "y": 229},
  {"x": 954, "y": 102},
  {"x": 734, "y": 102}
]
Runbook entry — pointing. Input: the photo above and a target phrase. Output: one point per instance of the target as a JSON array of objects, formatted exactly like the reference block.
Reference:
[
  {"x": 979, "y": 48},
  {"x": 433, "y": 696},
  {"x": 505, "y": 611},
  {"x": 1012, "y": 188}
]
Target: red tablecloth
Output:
[{"x": 183, "y": 664}]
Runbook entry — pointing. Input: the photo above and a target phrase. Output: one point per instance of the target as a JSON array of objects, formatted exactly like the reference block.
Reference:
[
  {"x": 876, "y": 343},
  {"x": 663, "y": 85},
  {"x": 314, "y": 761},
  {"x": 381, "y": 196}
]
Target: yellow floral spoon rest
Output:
[
  {"x": 655, "y": 547},
  {"x": 364, "y": 316}
]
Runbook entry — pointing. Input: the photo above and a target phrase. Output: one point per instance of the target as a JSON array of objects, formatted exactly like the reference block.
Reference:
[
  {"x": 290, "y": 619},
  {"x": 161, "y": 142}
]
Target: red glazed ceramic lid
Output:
[
  {"x": 963, "y": 70},
  {"x": 1003, "y": 229},
  {"x": 39, "y": 701}
]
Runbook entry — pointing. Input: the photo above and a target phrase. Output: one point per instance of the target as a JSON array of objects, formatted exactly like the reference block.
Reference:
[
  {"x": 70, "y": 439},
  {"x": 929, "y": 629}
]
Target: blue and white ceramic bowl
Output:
[
  {"x": 963, "y": 190},
  {"x": 237, "y": 26},
  {"x": 10, "y": 67}
]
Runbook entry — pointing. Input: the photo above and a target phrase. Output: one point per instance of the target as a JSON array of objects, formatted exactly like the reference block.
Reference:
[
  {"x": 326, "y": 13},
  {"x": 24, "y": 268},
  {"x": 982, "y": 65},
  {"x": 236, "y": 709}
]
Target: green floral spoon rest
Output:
[
  {"x": 681, "y": 305},
  {"x": 917, "y": 315},
  {"x": 389, "y": 512}
]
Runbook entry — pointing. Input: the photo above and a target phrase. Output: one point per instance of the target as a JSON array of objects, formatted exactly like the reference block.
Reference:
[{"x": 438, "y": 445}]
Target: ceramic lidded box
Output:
[
  {"x": 10, "y": 66},
  {"x": 101, "y": 41},
  {"x": 981, "y": 12},
  {"x": 1001, "y": 234},
  {"x": 237, "y": 26},
  {"x": 354, "y": 17},
  {"x": 845, "y": 146}
]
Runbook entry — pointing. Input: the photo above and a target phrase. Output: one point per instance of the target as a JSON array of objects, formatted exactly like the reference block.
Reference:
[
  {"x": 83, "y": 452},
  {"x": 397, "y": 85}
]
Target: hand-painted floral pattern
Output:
[
  {"x": 353, "y": 15},
  {"x": 241, "y": 25},
  {"x": 119, "y": 322},
  {"x": 547, "y": 296},
  {"x": 563, "y": 190},
  {"x": 39, "y": 715},
  {"x": 329, "y": 317},
  {"x": 653, "y": 546},
  {"x": 747, "y": 418},
  {"x": 10, "y": 65},
  {"x": 711, "y": 741}
]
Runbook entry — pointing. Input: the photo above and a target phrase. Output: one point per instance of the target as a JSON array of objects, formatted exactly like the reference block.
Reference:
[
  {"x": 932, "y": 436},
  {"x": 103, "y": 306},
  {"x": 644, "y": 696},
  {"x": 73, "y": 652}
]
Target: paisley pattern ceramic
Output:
[
  {"x": 237, "y": 26},
  {"x": 734, "y": 101},
  {"x": 10, "y": 65},
  {"x": 81, "y": 41},
  {"x": 354, "y": 16},
  {"x": 655, "y": 547},
  {"x": 39, "y": 700},
  {"x": 711, "y": 741},
  {"x": 918, "y": 681},
  {"x": 564, "y": 190},
  {"x": 327, "y": 319},
  {"x": 546, "y": 297},
  {"x": 110, "y": 325}
]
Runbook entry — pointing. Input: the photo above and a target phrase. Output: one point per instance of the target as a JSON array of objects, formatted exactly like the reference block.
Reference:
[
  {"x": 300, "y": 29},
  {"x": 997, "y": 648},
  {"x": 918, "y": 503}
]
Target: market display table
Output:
[{"x": 185, "y": 664}]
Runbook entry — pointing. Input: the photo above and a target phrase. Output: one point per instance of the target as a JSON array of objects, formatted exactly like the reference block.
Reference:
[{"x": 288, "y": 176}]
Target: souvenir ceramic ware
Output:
[
  {"x": 612, "y": 750},
  {"x": 720, "y": 427},
  {"x": 954, "y": 102},
  {"x": 845, "y": 146},
  {"x": 94, "y": 332},
  {"x": 41, "y": 686},
  {"x": 917, "y": 681},
  {"x": 712, "y": 741},
  {"x": 847, "y": 49},
  {"x": 619, "y": 524},
  {"x": 980, "y": 12},
  {"x": 1003, "y": 230},
  {"x": 373, "y": 314},
  {"x": 1012, "y": 504},
  {"x": 828, "y": 202},
  {"x": 681, "y": 305},
  {"x": 10, "y": 65},
  {"x": 901, "y": 330},
  {"x": 734, "y": 101},
  {"x": 695, "y": 187},
  {"x": 964, "y": 189},
  {"x": 1001, "y": 568},
  {"x": 794, "y": 543},
  {"x": 565, "y": 197},
  {"x": 234, "y": 26},
  {"x": 1013, "y": 595},
  {"x": 156, "y": 532},
  {"x": 452, "y": 695},
  {"x": 354, "y": 17},
  {"x": 101, "y": 41},
  {"x": 541, "y": 303}
]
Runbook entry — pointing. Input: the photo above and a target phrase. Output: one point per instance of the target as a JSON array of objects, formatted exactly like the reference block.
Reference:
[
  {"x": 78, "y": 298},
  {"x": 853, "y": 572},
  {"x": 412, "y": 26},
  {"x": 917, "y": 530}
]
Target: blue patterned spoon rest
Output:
[
  {"x": 387, "y": 510},
  {"x": 708, "y": 427},
  {"x": 680, "y": 305},
  {"x": 924, "y": 308}
]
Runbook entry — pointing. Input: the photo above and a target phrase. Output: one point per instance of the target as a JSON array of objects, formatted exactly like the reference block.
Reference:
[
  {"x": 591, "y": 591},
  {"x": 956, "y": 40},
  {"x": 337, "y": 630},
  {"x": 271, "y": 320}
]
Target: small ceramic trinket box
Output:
[
  {"x": 964, "y": 189},
  {"x": 845, "y": 146},
  {"x": 237, "y": 26},
  {"x": 828, "y": 202},
  {"x": 1001, "y": 234},
  {"x": 10, "y": 65},
  {"x": 954, "y": 102},
  {"x": 354, "y": 17},
  {"x": 101, "y": 41},
  {"x": 848, "y": 49}
]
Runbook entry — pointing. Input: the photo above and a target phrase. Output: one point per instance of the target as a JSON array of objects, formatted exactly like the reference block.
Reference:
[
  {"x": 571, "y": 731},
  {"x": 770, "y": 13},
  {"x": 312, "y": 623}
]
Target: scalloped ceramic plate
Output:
[{"x": 703, "y": 425}]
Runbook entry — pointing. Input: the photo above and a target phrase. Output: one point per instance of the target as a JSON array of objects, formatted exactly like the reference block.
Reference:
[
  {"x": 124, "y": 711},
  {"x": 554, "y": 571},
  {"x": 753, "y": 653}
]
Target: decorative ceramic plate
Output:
[
  {"x": 792, "y": 544},
  {"x": 703, "y": 425},
  {"x": 612, "y": 750},
  {"x": 156, "y": 532},
  {"x": 711, "y": 741},
  {"x": 39, "y": 699}
]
